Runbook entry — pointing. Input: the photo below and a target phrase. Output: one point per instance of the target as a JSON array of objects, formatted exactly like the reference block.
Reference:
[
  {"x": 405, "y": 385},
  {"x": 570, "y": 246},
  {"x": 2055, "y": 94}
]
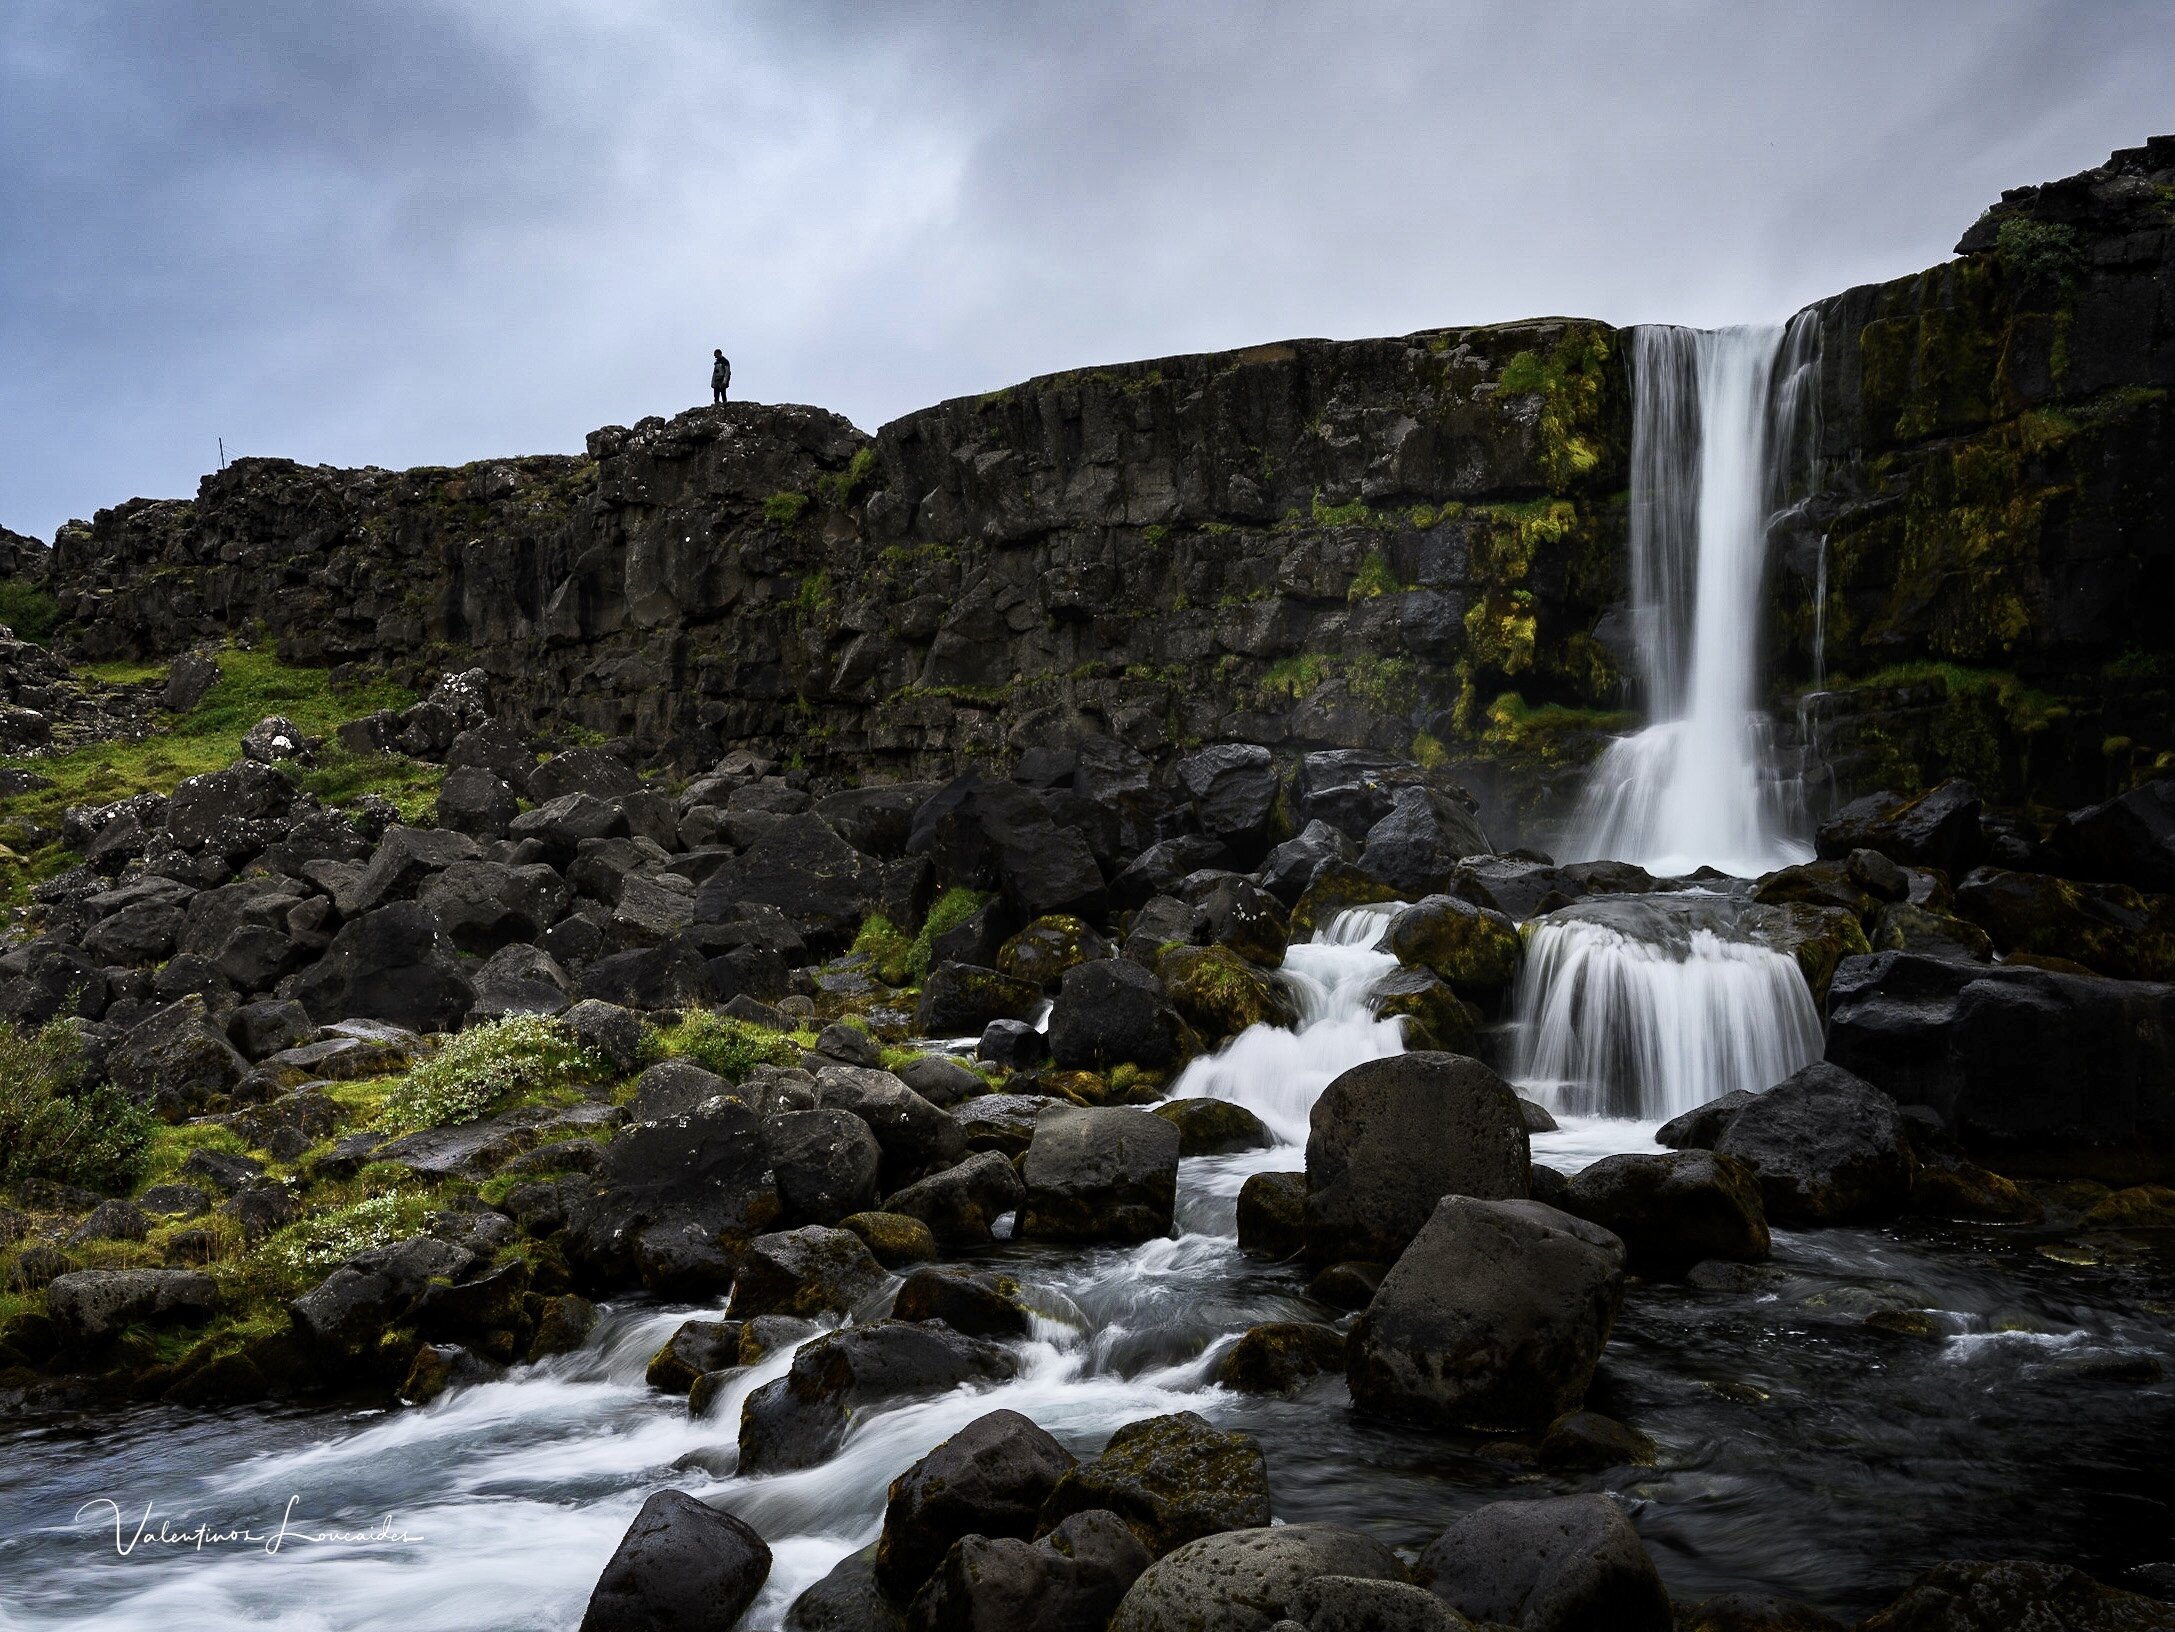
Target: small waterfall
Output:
[
  {"x": 1718, "y": 422},
  {"x": 1645, "y": 1006},
  {"x": 1278, "y": 1074}
]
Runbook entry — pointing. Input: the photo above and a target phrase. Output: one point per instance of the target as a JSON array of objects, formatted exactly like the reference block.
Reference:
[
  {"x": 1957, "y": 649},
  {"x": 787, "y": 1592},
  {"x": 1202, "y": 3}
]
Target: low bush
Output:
[
  {"x": 326, "y": 1239},
  {"x": 474, "y": 1072},
  {"x": 730, "y": 1048},
  {"x": 52, "y": 1127}
]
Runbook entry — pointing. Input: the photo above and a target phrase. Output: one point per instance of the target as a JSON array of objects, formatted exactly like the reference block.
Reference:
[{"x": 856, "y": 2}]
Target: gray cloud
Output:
[{"x": 395, "y": 233}]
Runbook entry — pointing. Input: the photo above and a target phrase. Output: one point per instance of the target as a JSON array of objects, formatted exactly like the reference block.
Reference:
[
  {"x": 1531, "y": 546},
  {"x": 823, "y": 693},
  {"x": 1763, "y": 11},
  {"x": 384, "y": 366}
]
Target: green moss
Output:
[
  {"x": 887, "y": 948},
  {"x": 784, "y": 509},
  {"x": 1156, "y": 536},
  {"x": 1388, "y": 683},
  {"x": 1293, "y": 678},
  {"x": 1373, "y": 578},
  {"x": 730, "y": 1048},
  {"x": 1354, "y": 514},
  {"x": 1500, "y": 630},
  {"x": 951, "y": 909},
  {"x": 839, "y": 490},
  {"x": 29, "y": 611},
  {"x": 1571, "y": 381},
  {"x": 1550, "y": 734},
  {"x": 2045, "y": 256}
]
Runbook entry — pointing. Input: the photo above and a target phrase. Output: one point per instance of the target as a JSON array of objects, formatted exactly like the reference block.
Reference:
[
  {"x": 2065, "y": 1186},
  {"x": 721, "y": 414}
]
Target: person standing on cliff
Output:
[{"x": 721, "y": 375}]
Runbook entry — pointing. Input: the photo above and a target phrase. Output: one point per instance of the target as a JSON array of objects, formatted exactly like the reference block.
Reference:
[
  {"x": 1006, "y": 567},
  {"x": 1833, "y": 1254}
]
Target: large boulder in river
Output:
[
  {"x": 1171, "y": 1479},
  {"x": 1104, "y": 1174},
  {"x": 1220, "y": 994},
  {"x": 1475, "y": 950},
  {"x": 1493, "y": 1318},
  {"x": 395, "y": 965},
  {"x": 1248, "y": 1580},
  {"x": 2109, "y": 928},
  {"x": 1416, "y": 848},
  {"x": 991, "y": 1479},
  {"x": 915, "y": 1136},
  {"x": 961, "y": 1000},
  {"x": 824, "y": 1163},
  {"x": 1390, "y": 1138},
  {"x": 1068, "y": 1581},
  {"x": 1939, "y": 828},
  {"x": 1560, "y": 1564},
  {"x": 962, "y": 1203},
  {"x": 2034, "y": 1072},
  {"x": 1114, "y": 1011},
  {"x": 681, "y": 1565},
  {"x": 1827, "y": 1148},
  {"x": 2017, "y": 1595},
  {"x": 1673, "y": 1210},
  {"x": 801, "y": 1418},
  {"x": 808, "y": 1272}
]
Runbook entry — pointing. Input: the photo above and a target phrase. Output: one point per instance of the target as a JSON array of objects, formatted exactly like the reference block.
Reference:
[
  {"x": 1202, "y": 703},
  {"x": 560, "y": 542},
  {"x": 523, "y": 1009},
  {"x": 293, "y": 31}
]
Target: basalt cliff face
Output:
[{"x": 1414, "y": 545}]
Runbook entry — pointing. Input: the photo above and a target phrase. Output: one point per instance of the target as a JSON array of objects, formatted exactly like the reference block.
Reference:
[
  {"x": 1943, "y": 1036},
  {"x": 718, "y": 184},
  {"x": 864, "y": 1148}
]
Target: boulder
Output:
[
  {"x": 959, "y": 1000},
  {"x": 2109, "y": 928},
  {"x": 989, "y": 1479},
  {"x": 847, "y": 1600},
  {"x": 988, "y": 835},
  {"x": 177, "y": 1061},
  {"x": 799, "y": 1419},
  {"x": 1939, "y": 828},
  {"x": 1069, "y": 1581},
  {"x": 1827, "y": 1147},
  {"x": 1247, "y": 1580},
  {"x": 90, "y": 1307},
  {"x": 1389, "y": 1138},
  {"x": 344, "y": 1314},
  {"x": 1671, "y": 1211},
  {"x": 698, "y": 1346},
  {"x": 1272, "y": 1215},
  {"x": 593, "y": 771},
  {"x": 2129, "y": 839},
  {"x": 1105, "y": 1174},
  {"x": 1293, "y": 865},
  {"x": 1699, "y": 1127},
  {"x": 682, "y": 1565},
  {"x": 979, "y": 1302},
  {"x": 672, "y": 976},
  {"x": 1436, "y": 1019},
  {"x": 1220, "y": 994},
  {"x": 821, "y": 883},
  {"x": 1416, "y": 848},
  {"x": 673, "y": 1088},
  {"x": 1113, "y": 1012},
  {"x": 961, "y": 1204},
  {"x": 914, "y": 1135},
  {"x": 1001, "y": 1122},
  {"x": 234, "y": 813},
  {"x": 519, "y": 979},
  {"x": 1559, "y": 1564},
  {"x": 1171, "y": 1479},
  {"x": 1042, "y": 952},
  {"x": 2017, "y": 1596},
  {"x": 1013, "y": 1044},
  {"x": 894, "y": 1240},
  {"x": 486, "y": 905},
  {"x": 394, "y": 964},
  {"x": 405, "y": 860},
  {"x": 188, "y": 679},
  {"x": 942, "y": 1080},
  {"x": 1278, "y": 1357},
  {"x": 1493, "y": 1318},
  {"x": 807, "y": 1272},
  {"x": 556, "y": 829},
  {"x": 1472, "y": 949},
  {"x": 824, "y": 1163},
  {"x": 1214, "y": 1127},
  {"x": 1351, "y": 1603},
  {"x": 1237, "y": 913},
  {"x": 474, "y": 801}
]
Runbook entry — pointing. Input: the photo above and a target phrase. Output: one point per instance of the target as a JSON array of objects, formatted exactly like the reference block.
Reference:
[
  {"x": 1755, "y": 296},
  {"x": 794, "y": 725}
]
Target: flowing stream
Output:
[
  {"x": 1718, "y": 421},
  {"x": 2005, "y": 1408}
]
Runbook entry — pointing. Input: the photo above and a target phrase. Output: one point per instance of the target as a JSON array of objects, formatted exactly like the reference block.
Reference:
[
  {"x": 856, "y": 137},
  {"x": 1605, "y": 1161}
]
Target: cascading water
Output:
[
  {"x": 1646, "y": 1006},
  {"x": 1278, "y": 1075},
  {"x": 1718, "y": 419}
]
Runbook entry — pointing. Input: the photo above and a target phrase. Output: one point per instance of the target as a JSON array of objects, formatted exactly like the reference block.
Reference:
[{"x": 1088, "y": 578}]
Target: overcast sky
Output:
[{"x": 368, "y": 232}]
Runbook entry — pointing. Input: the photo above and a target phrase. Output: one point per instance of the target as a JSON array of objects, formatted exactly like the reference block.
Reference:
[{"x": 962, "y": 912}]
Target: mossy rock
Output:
[
  {"x": 1273, "y": 1215},
  {"x": 1435, "y": 1016},
  {"x": 1280, "y": 1356},
  {"x": 2110, "y": 929},
  {"x": 1214, "y": 1127},
  {"x": 1221, "y": 994},
  {"x": 1818, "y": 937},
  {"x": 1336, "y": 888},
  {"x": 1902, "y": 927},
  {"x": 1961, "y": 1189},
  {"x": 893, "y": 1239},
  {"x": 1042, "y": 952},
  {"x": 1475, "y": 950},
  {"x": 2142, "y": 1206},
  {"x": 1074, "y": 1087}
]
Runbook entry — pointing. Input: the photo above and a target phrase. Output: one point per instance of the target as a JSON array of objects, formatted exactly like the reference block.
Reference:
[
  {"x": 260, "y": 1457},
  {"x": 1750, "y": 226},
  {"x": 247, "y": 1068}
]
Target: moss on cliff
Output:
[{"x": 1571, "y": 381}]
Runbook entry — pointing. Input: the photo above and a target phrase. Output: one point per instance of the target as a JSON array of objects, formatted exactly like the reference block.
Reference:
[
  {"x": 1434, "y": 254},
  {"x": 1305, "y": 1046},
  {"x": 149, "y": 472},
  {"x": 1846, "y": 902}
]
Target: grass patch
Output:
[
  {"x": 953, "y": 908},
  {"x": 52, "y": 1128},
  {"x": 889, "y": 950},
  {"x": 784, "y": 509},
  {"x": 1373, "y": 578},
  {"x": 2028, "y": 711},
  {"x": 485, "y": 1065},
  {"x": 727, "y": 1047}
]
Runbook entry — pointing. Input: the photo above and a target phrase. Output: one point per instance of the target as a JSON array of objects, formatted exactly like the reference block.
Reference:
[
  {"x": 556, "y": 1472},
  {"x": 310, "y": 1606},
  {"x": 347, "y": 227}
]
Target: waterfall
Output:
[
  {"x": 1645, "y": 1006},
  {"x": 1278, "y": 1074},
  {"x": 1719, "y": 421}
]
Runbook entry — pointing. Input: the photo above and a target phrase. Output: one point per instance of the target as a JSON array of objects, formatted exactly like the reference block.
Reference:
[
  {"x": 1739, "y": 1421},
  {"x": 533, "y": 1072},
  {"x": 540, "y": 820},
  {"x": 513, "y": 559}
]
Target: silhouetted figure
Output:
[{"x": 721, "y": 376}]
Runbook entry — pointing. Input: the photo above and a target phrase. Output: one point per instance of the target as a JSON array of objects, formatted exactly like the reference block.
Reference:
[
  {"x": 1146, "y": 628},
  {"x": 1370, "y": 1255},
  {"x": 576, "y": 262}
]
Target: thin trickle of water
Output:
[
  {"x": 1717, "y": 419},
  {"x": 1278, "y": 1074},
  {"x": 1820, "y": 618},
  {"x": 1645, "y": 1007}
]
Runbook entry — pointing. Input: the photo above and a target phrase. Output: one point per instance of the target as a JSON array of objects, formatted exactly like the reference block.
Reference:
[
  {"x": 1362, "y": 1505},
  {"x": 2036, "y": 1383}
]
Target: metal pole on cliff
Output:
[{"x": 222, "y": 453}]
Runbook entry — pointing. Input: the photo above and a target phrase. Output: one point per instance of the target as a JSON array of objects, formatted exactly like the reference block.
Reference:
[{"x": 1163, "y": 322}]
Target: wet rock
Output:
[
  {"x": 1538, "y": 1117},
  {"x": 989, "y": 1479},
  {"x": 682, "y": 1564},
  {"x": 800, "y": 1419},
  {"x": 962, "y": 1203},
  {"x": 1350, "y": 1283},
  {"x": 894, "y": 1240},
  {"x": 345, "y": 1313},
  {"x": 2108, "y": 928},
  {"x": 1673, "y": 1211},
  {"x": 1069, "y": 1581},
  {"x": 1219, "y": 994},
  {"x": 1272, "y": 1215},
  {"x": 1826, "y": 1146},
  {"x": 1000, "y": 1122},
  {"x": 1042, "y": 952},
  {"x": 562, "y": 1325},
  {"x": 1416, "y": 848},
  {"x": 698, "y": 1346},
  {"x": 440, "y": 1366},
  {"x": 1013, "y": 1044},
  {"x": 981, "y": 1303},
  {"x": 1113, "y": 1012},
  {"x": 1171, "y": 1479},
  {"x": 959, "y": 1000},
  {"x": 1580, "y": 1440},
  {"x": 1494, "y": 1317},
  {"x": 2129, "y": 839},
  {"x": 915, "y": 1136},
  {"x": 943, "y": 1081},
  {"x": 1754, "y": 1612},
  {"x": 847, "y": 1600},
  {"x": 1472, "y": 949},
  {"x": 1294, "y": 864},
  {"x": 1247, "y": 1580},
  {"x": 1106, "y": 1174},
  {"x": 1699, "y": 1127},
  {"x": 824, "y": 1163},
  {"x": 92, "y": 1306},
  {"x": 1938, "y": 829},
  {"x": 1351, "y": 1603},
  {"x": 807, "y": 1272},
  {"x": 1902, "y": 927},
  {"x": 1279, "y": 1357},
  {"x": 1391, "y": 1137},
  {"x": 1561, "y": 1564},
  {"x": 1214, "y": 1127},
  {"x": 2016, "y": 1594},
  {"x": 1436, "y": 1019}
]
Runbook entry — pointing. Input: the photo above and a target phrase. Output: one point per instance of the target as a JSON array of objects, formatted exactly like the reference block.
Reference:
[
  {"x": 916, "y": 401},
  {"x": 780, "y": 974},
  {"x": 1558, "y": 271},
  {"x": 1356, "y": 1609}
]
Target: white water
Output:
[
  {"x": 1647, "y": 1006},
  {"x": 1277, "y": 1074},
  {"x": 1717, "y": 416}
]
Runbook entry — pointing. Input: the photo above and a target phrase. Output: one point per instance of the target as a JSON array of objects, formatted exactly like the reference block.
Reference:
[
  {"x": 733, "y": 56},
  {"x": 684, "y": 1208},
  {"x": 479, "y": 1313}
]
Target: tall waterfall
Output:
[
  {"x": 1645, "y": 1006},
  {"x": 1718, "y": 421}
]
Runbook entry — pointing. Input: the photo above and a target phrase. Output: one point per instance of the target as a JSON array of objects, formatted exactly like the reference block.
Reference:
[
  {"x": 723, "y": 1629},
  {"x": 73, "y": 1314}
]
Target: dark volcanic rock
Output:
[
  {"x": 1249, "y": 1580},
  {"x": 682, "y": 1564},
  {"x": 394, "y": 964},
  {"x": 1171, "y": 1479},
  {"x": 808, "y": 1272},
  {"x": 1672, "y": 1211},
  {"x": 2017, "y": 1595},
  {"x": 798, "y": 1420},
  {"x": 1108, "y": 1174},
  {"x": 824, "y": 1163},
  {"x": 1561, "y": 1564},
  {"x": 1068, "y": 1581},
  {"x": 1112, "y": 1012},
  {"x": 962, "y": 1202},
  {"x": 989, "y": 1479},
  {"x": 1826, "y": 1147}
]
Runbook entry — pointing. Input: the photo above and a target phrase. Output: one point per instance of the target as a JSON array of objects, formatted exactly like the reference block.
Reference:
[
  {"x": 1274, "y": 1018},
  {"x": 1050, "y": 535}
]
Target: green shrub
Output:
[
  {"x": 29, "y": 611},
  {"x": 889, "y": 952},
  {"x": 472, "y": 1073},
  {"x": 730, "y": 1048},
  {"x": 953, "y": 908},
  {"x": 52, "y": 1128},
  {"x": 327, "y": 1239}
]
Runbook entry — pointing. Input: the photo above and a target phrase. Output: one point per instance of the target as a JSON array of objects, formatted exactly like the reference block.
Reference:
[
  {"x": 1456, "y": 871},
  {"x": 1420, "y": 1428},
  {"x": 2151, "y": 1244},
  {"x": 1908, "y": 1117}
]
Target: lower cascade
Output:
[{"x": 1645, "y": 1007}]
